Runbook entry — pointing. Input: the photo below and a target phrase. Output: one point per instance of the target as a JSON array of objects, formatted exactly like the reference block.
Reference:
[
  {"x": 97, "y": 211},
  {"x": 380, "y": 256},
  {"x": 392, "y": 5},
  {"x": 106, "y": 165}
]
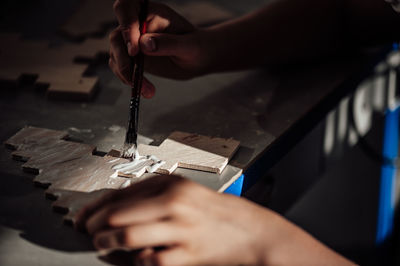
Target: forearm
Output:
[
  {"x": 291, "y": 31},
  {"x": 293, "y": 246}
]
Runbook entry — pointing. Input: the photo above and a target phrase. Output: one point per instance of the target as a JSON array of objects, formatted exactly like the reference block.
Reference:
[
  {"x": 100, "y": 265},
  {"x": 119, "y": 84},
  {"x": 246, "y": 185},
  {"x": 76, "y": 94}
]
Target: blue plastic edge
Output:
[
  {"x": 236, "y": 187},
  {"x": 386, "y": 204}
]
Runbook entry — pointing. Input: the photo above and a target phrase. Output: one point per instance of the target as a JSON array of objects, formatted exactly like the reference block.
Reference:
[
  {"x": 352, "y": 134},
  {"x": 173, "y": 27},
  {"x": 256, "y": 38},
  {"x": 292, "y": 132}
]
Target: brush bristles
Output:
[{"x": 129, "y": 151}]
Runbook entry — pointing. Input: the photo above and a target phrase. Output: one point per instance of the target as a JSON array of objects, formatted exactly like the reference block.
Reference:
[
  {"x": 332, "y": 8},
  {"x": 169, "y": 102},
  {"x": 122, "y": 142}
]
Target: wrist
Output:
[{"x": 290, "y": 245}]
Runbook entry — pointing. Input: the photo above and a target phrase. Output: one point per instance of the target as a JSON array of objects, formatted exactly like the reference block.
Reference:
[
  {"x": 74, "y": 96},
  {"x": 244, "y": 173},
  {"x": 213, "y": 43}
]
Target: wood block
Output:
[
  {"x": 55, "y": 66},
  {"x": 192, "y": 151}
]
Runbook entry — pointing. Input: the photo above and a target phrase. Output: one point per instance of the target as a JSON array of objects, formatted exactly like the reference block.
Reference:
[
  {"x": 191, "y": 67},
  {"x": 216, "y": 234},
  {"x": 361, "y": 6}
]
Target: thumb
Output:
[{"x": 159, "y": 44}]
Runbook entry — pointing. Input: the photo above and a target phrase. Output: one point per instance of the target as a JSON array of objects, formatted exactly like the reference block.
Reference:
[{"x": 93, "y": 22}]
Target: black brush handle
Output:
[
  {"x": 138, "y": 70},
  {"x": 137, "y": 77}
]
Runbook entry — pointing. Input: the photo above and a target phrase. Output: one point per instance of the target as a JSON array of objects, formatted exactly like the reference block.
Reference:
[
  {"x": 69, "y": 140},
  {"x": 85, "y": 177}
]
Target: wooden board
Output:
[
  {"x": 192, "y": 151},
  {"x": 74, "y": 176},
  {"x": 55, "y": 66}
]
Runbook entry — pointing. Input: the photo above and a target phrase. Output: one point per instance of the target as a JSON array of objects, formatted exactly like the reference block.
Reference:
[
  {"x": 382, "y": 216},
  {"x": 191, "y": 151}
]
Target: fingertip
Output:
[
  {"x": 148, "y": 89},
  {"x": 148, "y": 43},
  {"x": 131, "y": 41},
  {"x": 132, "y": 49}
]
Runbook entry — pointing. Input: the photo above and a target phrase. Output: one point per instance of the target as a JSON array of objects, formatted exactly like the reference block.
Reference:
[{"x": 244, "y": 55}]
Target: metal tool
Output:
[{"x": 130, "y": 145}]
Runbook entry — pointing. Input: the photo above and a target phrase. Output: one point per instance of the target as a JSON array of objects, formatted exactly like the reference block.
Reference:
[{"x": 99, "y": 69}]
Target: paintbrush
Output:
[{"x": 130, "y": 145}]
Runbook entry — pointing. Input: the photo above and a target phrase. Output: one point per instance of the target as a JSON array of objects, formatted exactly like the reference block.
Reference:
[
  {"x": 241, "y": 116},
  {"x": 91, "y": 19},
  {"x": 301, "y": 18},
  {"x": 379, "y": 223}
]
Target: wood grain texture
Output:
[
  {"x": 70, "y": 202},
  {"x": 74, "y": 176},
  {"x": 32, "y": 136},
  {"x": 192, "y": 151},
  {"x": 55, "y": 66}
]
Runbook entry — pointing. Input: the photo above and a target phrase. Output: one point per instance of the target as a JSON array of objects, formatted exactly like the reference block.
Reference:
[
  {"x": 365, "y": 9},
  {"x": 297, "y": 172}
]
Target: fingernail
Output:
[
  {"x": 129, "y": 47},
  {"x": 149, "y": 44}
]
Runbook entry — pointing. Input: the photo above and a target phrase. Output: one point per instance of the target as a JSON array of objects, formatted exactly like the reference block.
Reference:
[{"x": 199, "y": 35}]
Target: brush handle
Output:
[
  {"x": 135, "y": 99},
  {"x": 137, "y": 77}
]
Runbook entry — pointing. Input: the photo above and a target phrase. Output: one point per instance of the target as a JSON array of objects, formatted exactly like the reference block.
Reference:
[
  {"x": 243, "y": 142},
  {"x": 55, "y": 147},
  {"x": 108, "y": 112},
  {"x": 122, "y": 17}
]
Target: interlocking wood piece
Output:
[
  {"x": 192, "y": 151},
  {"x": 70, "y": 202},
  {"x": 33, "y": 135},
  {"x": 75, "y": 176},
  {"x": 55, "y": 66},
  {"x": 57, "y": 153},
  {"x": 44, "y": 148},
  {"x": 85, "y": 174},
  {"x": 91, "y": 18}
]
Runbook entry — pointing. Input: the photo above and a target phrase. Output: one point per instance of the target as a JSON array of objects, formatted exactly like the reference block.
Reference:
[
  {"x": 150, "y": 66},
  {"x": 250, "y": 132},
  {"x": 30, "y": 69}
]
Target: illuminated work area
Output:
[{"x": 199, "y": 132}]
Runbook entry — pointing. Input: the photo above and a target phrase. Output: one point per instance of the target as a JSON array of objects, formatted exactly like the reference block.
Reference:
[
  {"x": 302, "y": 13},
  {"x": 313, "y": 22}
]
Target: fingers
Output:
[
  {"x": 127, "y": 12},
  {"x": 127, "y": 212},
  {"x": 139, "y": 236},
  {"x": 87, "y": 211},
  {"x": 158, "y": 44},
  {"x": 114, "y": 68},
  {"x": 162, "y": 18},
  {"x": 175, "y": 256},
  {"x": 120, "y": 61},
  {"x": 136, "y": 192},
  {"x": 148, "y": 89}
]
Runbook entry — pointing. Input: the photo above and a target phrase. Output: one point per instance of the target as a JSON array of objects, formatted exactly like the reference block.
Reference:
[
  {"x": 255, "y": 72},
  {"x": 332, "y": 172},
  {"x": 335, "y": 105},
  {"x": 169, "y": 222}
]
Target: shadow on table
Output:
[{"x": 23, "y": 207}]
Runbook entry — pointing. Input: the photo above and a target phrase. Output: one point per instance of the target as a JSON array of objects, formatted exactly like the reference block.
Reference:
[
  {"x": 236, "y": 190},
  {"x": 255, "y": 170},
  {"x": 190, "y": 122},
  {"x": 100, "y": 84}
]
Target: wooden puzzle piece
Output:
[
  {"x": 192, "y": 151},
  {"x": 85, "y": 174},
  {"x": 70, "y": 202},
  {"x": 55, "y": 66},
  {"x": 61, "y": 151},
  {"x": 33, "y": 136},
  {"x": 74, "y": 176}
]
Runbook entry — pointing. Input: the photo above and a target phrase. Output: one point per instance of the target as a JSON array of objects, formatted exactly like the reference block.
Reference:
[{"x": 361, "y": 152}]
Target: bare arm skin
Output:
[
  {"x": 283, "y": 32},
  {"x": 288, "y": 31}
]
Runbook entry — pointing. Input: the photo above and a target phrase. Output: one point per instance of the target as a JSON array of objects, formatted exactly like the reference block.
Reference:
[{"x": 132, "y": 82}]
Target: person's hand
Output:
[
  {"x": 194, "y": 224},
  {"x": 188, "y": 224},
  {"x": 171, "y": 45}
]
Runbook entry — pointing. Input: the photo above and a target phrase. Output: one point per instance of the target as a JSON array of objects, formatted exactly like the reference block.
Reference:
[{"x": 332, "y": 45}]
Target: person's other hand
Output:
[
  {"x": 193, "y": 224},
  {"x": 177, "y": 222},
  {"x": 171, "y": 45}
]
